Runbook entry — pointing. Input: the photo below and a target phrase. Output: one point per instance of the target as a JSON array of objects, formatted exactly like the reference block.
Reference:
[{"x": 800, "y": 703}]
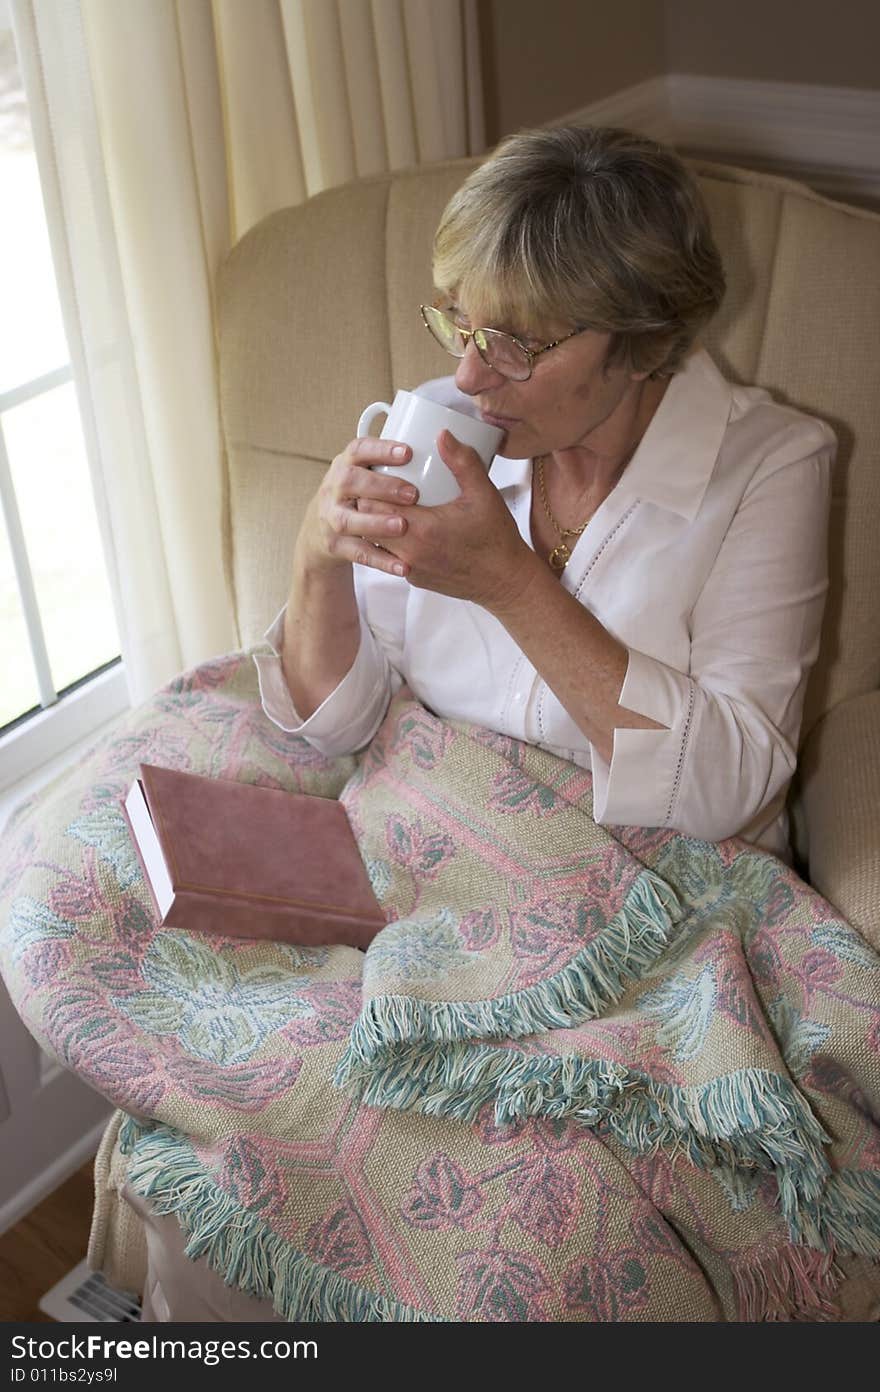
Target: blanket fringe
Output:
[
  {"x": 848, "y": 1218},
  {"x": 164, "y": 1169},
  {"x": 788, "y": 1284},
  {"x": 131, "y": 1131},
  {"x": 751, "y": 1118},
  {"x": 791, "y": 1284},
  {"x": 594, "y": 979}
]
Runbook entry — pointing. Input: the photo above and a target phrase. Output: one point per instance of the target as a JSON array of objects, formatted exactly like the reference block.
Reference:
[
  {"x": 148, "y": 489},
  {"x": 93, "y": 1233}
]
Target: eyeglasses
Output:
[{"x": 500, "y": 351}]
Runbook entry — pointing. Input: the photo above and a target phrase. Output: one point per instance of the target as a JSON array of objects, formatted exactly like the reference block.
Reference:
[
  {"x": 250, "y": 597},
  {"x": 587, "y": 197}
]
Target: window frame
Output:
[
  {"x": 42, "y": 741},
  {"x": 38, "y": 738},
  {"x": 64, "y": 718}
]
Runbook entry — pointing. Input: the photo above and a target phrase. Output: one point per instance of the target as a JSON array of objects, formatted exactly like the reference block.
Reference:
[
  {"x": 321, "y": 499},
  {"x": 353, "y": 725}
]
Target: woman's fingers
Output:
[
  {"x": 378, "y": 506},
  {"x": 360, "y": 551},
  {"x": 367, "y": 451},
  {"x": 360, "y": 479},
  {"x": 347, "y": 520},
  {"x": 359, "y": 509}
]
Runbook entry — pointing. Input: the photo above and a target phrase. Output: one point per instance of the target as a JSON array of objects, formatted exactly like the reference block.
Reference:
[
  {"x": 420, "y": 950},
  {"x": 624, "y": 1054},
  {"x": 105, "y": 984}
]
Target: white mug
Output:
[{"x": 416, "y": 421}]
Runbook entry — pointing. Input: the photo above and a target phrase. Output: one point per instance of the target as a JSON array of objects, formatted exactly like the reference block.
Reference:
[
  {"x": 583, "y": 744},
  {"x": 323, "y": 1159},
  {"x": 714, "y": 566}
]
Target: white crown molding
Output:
[
  {"x": 644, "y": 108},
  {"x": 827, "y": 137}
]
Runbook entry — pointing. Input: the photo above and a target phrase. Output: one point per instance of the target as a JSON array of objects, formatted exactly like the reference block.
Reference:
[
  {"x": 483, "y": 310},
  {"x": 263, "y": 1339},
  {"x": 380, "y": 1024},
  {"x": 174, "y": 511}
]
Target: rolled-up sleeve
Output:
[
  {"x": 348, "y": 718},
  {"x": 729, "y": 746}
]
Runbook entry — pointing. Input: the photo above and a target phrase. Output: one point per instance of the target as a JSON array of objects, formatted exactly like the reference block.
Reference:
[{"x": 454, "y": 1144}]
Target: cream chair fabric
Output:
[{"x": 318, "y": 315}]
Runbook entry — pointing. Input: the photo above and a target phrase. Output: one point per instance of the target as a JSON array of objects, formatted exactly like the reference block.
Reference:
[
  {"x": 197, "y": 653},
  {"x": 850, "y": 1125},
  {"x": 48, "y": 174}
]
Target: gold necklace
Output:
[{"x": 560, "y": 555}]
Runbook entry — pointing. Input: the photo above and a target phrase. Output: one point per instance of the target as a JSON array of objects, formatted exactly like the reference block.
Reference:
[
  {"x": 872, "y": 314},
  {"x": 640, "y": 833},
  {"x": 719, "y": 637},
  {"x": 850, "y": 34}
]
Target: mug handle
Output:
[{"x": 369, "y": 415}]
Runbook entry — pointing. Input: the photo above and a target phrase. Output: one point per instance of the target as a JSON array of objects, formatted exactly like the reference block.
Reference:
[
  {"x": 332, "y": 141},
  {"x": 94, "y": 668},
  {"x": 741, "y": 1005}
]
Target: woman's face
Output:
[{"x": 569, "y": 401}]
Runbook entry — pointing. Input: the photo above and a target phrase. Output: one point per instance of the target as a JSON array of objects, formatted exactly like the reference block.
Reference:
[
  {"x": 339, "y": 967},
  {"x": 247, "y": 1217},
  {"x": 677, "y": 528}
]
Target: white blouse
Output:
[{"x": 708, "y": 560}]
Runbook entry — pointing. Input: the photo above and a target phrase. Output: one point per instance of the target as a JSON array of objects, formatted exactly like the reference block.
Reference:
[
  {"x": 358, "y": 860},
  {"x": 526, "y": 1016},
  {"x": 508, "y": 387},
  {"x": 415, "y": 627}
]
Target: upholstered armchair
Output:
[{"x": 318, "y": 314}]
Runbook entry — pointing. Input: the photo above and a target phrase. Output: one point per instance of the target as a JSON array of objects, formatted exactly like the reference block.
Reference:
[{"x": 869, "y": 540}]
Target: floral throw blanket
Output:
[{"x": 583, "y": 1074}]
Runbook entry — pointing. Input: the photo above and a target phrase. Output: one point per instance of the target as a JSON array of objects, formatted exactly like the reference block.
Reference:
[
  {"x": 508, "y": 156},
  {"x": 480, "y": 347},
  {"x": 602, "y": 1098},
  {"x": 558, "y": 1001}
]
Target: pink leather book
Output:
[{"x": 250, "y": 862}]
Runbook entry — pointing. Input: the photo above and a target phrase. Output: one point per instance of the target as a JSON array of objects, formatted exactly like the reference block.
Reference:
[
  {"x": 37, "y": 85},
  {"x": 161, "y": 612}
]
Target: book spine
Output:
[{"x": 229, "y": 917}]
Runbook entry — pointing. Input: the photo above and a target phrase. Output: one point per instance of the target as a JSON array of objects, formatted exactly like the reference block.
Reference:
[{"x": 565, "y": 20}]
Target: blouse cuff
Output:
[
  {"x": 274, "y": 693},
  {"x": 348, "y": 717},
  {"x": 640, "y": 786}
]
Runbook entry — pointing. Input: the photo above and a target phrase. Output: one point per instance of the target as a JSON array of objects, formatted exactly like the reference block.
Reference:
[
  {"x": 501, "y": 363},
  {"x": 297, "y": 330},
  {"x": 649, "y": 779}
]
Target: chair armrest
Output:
[{"x": 839, "y": 782}]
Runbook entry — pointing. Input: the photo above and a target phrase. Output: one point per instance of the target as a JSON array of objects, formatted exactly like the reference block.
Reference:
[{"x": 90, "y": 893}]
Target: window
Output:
[{"x": 60, "y": 669}]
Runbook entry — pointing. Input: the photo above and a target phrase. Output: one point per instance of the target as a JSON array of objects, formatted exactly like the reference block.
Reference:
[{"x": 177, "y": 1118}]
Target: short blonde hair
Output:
[{"x": 589, "y": 226}]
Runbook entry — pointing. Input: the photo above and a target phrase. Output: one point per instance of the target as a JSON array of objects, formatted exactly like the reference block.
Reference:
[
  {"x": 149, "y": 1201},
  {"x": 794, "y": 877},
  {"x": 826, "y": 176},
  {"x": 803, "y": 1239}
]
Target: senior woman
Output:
[{"x": 638, "y": 584}]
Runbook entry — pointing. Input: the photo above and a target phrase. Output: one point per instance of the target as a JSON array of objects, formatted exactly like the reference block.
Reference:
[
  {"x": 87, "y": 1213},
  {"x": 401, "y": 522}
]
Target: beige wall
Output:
[
  {"x": 543, "y": 58},
  {"x": 810, "y": 41}
]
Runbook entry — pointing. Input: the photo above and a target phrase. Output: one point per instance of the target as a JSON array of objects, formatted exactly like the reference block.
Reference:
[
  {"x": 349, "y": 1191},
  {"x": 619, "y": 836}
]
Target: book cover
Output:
[{"x": 240, "y": 860}]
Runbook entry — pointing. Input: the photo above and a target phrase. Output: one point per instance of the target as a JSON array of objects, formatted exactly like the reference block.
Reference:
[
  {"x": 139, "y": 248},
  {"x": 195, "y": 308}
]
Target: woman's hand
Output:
[
  {"x": 470, "y": 548},
  {"x": 356, "y": 513}
]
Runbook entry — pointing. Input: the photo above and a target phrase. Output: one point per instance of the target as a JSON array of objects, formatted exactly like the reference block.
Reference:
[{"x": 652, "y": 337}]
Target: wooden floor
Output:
[{"x": 43, "y": 1247}]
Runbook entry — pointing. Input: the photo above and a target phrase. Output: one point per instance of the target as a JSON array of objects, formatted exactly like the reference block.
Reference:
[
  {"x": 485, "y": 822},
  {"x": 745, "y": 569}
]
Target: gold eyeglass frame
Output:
[{"x": 468, "y": 334}]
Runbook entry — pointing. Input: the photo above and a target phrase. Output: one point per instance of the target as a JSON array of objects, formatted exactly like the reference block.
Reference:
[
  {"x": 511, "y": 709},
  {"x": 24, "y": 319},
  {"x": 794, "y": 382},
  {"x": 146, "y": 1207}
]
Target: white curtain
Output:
[{"x": 164, "y": 130}]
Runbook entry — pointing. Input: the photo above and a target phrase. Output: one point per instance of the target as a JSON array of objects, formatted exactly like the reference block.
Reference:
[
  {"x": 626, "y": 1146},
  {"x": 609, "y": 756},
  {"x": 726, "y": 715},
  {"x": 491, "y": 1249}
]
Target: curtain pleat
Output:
[
  {"x": 150, "y": 161},
  {"x": 170, "y": 127},
  {"x": 476, "y": 110},
  {"x": 261, "y": 146},
  {"x": 395, "y": 83},
  {"x": 204, "y": 106},
  {"x": 362, "y": 85},
  {"x": 317, "y": 70},
  {"x": 435, "y": 85}
]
